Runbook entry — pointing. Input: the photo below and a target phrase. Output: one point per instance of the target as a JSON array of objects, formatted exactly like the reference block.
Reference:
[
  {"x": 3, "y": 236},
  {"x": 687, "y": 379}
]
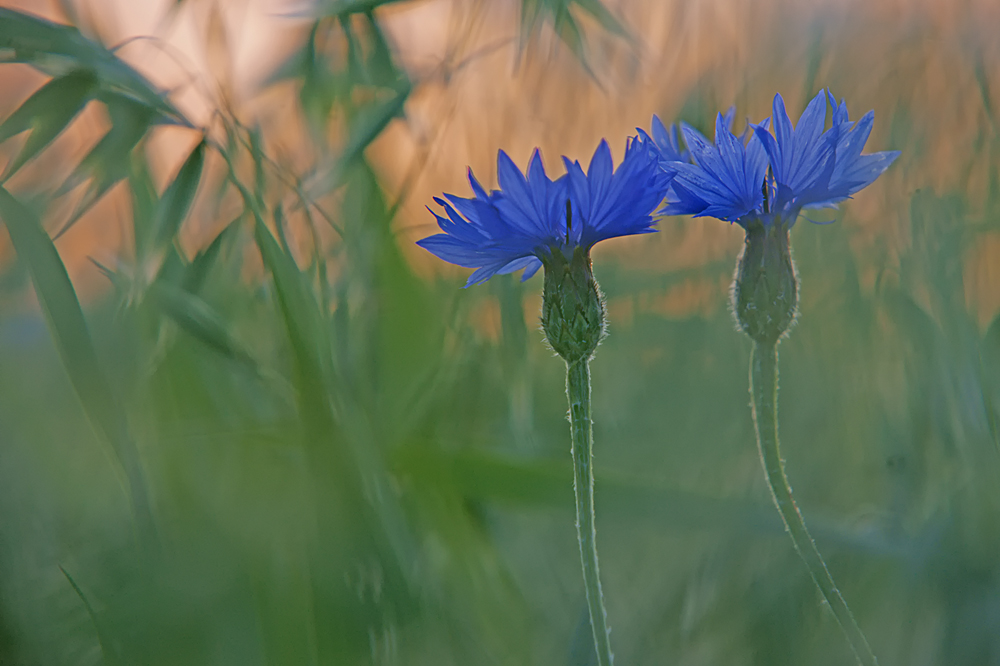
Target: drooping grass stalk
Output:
[
  {"x": 581, "y": 429},
  {"x": 764, "y": 391}
]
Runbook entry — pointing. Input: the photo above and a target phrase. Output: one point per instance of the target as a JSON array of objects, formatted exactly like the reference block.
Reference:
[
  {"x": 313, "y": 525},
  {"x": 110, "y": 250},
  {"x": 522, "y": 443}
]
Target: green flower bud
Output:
[
  {"x": 572, "y": 306},
  {"x": 765, "y": 293}
]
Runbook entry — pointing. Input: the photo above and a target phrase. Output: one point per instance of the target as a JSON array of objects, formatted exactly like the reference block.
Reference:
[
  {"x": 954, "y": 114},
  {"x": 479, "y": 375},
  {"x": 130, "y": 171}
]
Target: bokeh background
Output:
[{"x": 251, "y": 423}]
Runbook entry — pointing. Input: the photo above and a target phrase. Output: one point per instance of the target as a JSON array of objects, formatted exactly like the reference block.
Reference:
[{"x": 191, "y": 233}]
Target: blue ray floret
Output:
[
  {"x": 531, "y": 217},
  {"x": 665, "y": 142}
]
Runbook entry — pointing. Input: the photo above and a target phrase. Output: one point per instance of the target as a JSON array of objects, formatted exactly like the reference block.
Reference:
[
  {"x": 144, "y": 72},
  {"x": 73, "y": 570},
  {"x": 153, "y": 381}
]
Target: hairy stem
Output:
[
  {"x": 764, "y": 389},
  {"x": 578, "y": 390}
]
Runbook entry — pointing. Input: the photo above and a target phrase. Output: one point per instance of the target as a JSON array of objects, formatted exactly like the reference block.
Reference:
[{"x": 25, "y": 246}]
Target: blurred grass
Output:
[{"x": 261, "y": 428}]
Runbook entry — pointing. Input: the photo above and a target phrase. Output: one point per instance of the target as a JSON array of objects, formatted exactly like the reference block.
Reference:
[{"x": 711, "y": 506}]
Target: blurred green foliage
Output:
[{"x": 253, "y": 454}]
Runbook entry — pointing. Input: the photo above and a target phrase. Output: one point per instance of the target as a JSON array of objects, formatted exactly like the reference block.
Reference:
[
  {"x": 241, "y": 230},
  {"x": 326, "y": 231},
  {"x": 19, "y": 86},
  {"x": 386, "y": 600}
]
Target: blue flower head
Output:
[
  {"x": 811, "y": 168},
  {"x": 531, "y": 217},
  {"x": 725, "y": 179}
]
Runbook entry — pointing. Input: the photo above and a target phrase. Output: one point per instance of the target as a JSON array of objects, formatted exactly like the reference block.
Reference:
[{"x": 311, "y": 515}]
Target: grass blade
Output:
[
  {"x": 33, "y": 40},
  {"x": 71, "y": 336},
  {"x": 176, "y": 200},
  {"x": 108, "y": 162},
  {"x": 47, "y": 113},
  {"x": 197, "y": 318},
  {"x": 111, "y": 658}
]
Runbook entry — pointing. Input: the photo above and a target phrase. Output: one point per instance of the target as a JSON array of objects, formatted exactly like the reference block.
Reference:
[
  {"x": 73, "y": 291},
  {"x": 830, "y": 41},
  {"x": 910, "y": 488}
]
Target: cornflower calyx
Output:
[
  {"x": 572, "y": 306},
  {"x": 765, "y": 291}
]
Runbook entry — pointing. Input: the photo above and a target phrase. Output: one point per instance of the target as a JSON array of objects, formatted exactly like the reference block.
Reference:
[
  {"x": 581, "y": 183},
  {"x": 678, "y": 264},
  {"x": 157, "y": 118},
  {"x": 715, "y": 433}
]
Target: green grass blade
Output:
[
  {"x": 197, "y": 271},
  {"x": 176, "y": 200},
  {"x": 197, "y": 318},
  {"x": 369, "y": 125},
  {"x": 348, "y": 7},
  {"x": 144, "y": 201},
  {"x": 111, "y": 657},
  {"x": 603, "y": 15},
  {"x": 58, "y": 49},
  {"x": 47, "y": 113},
  {"x": 108, "y": 162},
  {"x": 71, "y": 335}
]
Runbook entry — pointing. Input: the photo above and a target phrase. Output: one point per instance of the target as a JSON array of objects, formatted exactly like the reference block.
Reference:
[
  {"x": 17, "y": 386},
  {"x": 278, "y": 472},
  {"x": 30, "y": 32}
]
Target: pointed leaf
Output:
[
  {"x": 109, "y": 161},
  {"x": 369, "y": 125},
  {"x": 58, "y": 49},
  {"x": 301, "y": 314},
  {"x": 348, "y": 7},
  {"x": 72, "y": 340},
  {"x": 47, "y": 113},
  {"x": 198, "y": 270},
  {"x": 177, "y": 198},
  {"x": 144, "y": 204},
  {"x": 197, "y": 318}
]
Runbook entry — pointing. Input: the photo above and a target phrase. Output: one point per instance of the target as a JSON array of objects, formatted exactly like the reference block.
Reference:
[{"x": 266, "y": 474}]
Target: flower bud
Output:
[
  {"x": 765, "y": 294},
  {"x": 572, "y": 306}
]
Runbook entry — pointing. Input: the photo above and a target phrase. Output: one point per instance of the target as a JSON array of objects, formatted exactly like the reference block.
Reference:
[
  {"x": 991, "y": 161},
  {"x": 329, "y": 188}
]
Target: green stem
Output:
[
  {"x": 764, "y": 389},
  {"x": 578, "y": 390}
]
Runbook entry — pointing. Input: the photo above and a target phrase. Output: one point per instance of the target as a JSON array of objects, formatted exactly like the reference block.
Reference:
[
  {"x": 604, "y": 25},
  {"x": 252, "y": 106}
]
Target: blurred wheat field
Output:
[{"x": 253, "y": 423}]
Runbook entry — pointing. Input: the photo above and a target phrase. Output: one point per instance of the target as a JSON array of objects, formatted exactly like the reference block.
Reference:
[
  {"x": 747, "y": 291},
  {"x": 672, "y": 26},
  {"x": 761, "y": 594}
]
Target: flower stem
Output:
[
  {"x": 764, "y": 389},
  {"x": 578, "y": 390}
]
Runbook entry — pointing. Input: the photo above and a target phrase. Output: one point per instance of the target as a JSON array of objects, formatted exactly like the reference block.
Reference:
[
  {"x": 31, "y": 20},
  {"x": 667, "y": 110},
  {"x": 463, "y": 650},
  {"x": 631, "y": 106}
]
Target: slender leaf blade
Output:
[
  {"x": 108, "y": 162},
  {"x": 174, "y": 205},
  {"x": 71, "y": 335},
  {"x": 47, "y": 113},
  {"x": 200, "y": 320},
  {"x": 57, "y": 49}
]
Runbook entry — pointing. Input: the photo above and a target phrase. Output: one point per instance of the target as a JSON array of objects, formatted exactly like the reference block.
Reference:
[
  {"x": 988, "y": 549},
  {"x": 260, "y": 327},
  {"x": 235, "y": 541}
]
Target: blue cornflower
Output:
[
  {"x": 811, "y": 168},
  {"x": 528, "y": 219},
  {"x": 725, "y": 179}
]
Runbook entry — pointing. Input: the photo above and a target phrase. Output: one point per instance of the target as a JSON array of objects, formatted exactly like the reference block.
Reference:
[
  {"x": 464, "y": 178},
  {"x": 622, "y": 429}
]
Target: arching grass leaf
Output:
[
  {"x": 144, "y": 203},
  {"x": 59, "y": 49},
  {"x": 348, "y": 7},
  {"x": 171, "y": 211},
  {"x": 72, "y": 340},
  {"x": 197, "y": 318},
  {"x": 368, "y": 125},
  {"x": 535, "y": 13},
  {"x": 108, "y": 162},
  {"x": 197, "y": 271},
  {"x": 47, "y": 113},
  {"x": 104, "y": 638}
]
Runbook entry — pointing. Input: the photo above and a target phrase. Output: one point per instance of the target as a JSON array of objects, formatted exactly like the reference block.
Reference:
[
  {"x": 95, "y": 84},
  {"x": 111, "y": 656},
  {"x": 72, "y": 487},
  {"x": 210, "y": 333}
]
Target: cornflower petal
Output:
[{"x": 666, "y": 142}]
